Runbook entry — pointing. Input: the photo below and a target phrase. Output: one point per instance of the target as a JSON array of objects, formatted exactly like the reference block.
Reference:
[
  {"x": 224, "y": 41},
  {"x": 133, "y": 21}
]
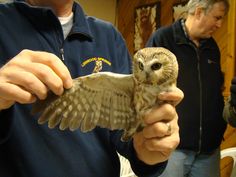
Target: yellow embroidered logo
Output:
[{"x": 98, "y": 63}]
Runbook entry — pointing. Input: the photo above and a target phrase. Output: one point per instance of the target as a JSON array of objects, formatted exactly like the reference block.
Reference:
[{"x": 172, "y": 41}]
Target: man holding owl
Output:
[{"x": 44, "y": 44}]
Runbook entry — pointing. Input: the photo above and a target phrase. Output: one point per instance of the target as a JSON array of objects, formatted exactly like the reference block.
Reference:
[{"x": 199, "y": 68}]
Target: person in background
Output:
[
  {"x": 44, "y": 44},
  {"x": 229, "y": 112},
  {"x": 200, "y": 113}
]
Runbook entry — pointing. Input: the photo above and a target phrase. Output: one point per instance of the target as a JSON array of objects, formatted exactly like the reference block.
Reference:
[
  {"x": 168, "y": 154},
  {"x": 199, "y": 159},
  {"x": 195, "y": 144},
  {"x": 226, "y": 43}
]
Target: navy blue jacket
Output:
[
  {"x": 200, "y": 78},
  {"x": 31, "y": 150}
]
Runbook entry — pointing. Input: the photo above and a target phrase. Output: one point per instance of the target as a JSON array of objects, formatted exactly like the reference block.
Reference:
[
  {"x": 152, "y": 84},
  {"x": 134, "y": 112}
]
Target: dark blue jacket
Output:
[
  {"x": 200, "y": 78},
  {"x": 31, "y": 150}
]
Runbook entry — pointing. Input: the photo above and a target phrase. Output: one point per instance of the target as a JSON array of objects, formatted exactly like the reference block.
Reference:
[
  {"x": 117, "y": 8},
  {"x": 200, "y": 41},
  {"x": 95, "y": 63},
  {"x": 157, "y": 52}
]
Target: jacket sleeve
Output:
[
  {"x": 229, "y": 113},
  {"x": 143, "y": 170}
]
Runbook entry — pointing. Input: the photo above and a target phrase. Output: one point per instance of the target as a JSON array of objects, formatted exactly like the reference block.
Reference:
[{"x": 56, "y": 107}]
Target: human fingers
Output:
[
  {"x": 174, "y": 96},
  {"x": 55, "y": 64},
  {"x": 149, "y": 157},
  {"x": 160, "y": 129},
  {"x": 155, "y": 150},
  {"x": 10, "y": 93},
  {"x": 165, "y": 144},
  {"x": 41, "y": 75},
  {"x": 164, "y": 127},
  {"x": 169, "y": 132},
  {"x": 5, "y": 104},
  {"x": 165, "y": 112},
  {"x": 31, "y": 74},
  {"x": 26, "y": 80},
  {"x": 35, "y": 63}
]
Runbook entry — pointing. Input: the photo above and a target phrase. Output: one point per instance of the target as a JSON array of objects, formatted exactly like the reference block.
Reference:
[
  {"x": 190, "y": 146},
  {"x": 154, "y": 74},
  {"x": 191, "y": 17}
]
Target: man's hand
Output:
[
  {"x": 29, "y": 75},
  {"x": 161, "y": 135}
]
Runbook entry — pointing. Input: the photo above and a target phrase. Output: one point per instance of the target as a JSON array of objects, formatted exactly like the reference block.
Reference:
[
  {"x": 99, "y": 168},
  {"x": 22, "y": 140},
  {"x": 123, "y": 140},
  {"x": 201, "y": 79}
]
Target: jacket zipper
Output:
[
  {"x": 201, "y": 111},
  {"x": 200, "y": 95},
  {"x": 60, "y": 42}
]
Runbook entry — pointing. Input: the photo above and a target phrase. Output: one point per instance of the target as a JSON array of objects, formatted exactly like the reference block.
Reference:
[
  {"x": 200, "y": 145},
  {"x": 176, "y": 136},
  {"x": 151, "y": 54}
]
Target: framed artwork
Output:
[
  {"x": 179, "y": 10},
  {"x": 147, "y": 20}
]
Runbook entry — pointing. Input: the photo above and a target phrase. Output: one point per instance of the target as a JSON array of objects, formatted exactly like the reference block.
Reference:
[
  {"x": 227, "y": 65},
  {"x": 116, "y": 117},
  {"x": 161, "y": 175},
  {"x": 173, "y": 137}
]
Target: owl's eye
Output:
[
  {"x": 156, "y": 66},
  {"x": 140, "y": 65}
]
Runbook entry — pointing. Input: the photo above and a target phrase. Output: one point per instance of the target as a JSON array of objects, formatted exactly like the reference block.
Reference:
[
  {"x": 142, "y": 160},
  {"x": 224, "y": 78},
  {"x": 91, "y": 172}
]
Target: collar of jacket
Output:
[
  {"x": 181, "y": 38},
  {"x": 179, "y": 35},
  {"x": 44, "y": 17}
]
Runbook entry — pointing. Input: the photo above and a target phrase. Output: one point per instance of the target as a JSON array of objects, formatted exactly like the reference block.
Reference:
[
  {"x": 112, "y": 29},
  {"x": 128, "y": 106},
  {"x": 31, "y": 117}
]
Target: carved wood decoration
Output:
[
  {"x": 179, "y": 10},
  {"x": 147, "y": 20}
]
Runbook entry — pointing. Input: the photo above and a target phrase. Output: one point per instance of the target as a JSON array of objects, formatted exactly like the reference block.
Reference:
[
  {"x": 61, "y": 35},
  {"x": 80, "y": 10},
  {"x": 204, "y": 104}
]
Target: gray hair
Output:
[{"x": 205, "y": 4}]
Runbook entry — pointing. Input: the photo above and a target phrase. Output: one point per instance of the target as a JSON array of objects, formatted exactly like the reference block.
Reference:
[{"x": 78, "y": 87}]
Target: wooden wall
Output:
[
  {"x": 225, "y": 38},
  {"x": 102, "y": 9}
]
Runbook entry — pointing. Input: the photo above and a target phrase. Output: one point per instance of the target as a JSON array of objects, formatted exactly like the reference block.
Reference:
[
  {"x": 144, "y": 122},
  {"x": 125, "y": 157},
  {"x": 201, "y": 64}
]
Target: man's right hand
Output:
[{"x": 30, "y": 75}]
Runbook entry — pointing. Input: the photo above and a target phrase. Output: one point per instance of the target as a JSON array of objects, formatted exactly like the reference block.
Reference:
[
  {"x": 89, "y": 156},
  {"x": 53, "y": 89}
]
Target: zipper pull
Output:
[{"x": 62, "y": 54}]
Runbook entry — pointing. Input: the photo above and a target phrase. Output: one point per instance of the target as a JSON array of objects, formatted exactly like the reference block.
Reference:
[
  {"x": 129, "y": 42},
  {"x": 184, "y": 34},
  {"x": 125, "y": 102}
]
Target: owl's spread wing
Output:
[{"x": 101, "y": 99}]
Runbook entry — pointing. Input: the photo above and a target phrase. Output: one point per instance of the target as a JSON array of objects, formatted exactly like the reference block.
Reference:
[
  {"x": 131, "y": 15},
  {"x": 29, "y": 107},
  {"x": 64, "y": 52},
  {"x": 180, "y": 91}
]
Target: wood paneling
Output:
[
  {"x": 225, "y": 38},
  {"x": 102, "y": 9}
]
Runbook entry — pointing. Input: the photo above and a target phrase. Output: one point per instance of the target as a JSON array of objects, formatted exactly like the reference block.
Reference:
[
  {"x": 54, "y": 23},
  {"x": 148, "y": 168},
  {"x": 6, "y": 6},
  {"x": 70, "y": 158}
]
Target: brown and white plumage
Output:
[{"x": 113, "y": 101}]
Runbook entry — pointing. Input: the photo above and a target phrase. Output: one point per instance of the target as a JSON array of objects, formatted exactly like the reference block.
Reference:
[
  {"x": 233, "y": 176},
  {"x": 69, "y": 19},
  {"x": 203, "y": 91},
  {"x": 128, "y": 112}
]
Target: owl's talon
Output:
[{"x": 169, "y": 130}]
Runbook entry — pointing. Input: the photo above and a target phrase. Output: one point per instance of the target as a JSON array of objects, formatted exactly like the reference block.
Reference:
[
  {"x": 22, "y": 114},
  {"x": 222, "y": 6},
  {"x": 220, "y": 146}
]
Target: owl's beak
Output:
[{"x": 148, "y": 79}]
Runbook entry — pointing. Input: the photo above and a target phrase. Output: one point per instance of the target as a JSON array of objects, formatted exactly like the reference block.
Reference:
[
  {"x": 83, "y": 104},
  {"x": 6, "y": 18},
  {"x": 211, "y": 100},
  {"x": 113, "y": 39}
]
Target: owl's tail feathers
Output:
[
  {"x": 135, "y": 127},
  {"x": 127, "y": 135}
]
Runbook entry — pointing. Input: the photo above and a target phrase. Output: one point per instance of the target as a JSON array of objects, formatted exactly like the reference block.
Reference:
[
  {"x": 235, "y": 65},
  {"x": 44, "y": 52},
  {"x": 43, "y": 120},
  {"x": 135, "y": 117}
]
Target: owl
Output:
[{"x": 110, "y": 100}]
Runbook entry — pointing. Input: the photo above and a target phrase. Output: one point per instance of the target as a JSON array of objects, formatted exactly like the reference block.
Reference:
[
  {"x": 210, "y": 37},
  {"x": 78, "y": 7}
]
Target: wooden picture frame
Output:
[
  {"x": 147, "y": 20},
  {"x": 179, "y": 10}
]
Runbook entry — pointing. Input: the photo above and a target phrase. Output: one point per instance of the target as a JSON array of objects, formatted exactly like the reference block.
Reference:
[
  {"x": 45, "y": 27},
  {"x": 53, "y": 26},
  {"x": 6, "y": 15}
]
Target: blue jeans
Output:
[{"x": 185, "y": 163}]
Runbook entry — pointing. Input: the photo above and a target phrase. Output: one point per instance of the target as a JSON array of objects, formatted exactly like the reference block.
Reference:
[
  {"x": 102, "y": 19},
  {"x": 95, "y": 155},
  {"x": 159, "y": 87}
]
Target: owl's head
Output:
[{"x": 155, "y": 66}]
